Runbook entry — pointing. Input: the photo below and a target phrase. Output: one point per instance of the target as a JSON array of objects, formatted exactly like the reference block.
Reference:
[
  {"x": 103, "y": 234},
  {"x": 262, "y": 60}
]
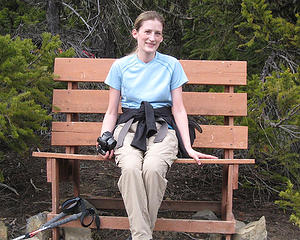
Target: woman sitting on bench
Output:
[{"x": 153, "y": 127}]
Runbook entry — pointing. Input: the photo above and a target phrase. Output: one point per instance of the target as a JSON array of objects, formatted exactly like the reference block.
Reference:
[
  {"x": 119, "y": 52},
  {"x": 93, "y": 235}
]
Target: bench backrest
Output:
[{"x": 74, "y": 101}]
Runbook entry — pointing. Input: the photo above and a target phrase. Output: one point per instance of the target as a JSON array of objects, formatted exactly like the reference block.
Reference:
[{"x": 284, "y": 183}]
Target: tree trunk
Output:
[{"x": 53, "y": 16}]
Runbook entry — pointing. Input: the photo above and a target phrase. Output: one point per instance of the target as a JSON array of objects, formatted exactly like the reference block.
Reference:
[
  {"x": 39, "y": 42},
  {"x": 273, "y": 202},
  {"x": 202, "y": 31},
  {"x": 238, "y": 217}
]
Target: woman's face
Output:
[{"x": 149, "y": 36}]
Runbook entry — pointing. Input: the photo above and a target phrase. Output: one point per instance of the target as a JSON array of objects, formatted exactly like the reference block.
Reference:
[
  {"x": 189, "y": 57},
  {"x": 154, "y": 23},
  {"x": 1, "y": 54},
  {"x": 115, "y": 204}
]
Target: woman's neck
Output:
[{"x": 145, "y": 57}]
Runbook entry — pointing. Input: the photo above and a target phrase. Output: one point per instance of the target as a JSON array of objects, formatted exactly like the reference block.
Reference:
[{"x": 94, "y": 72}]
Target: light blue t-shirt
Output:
[{"x": 151, "y": 82}]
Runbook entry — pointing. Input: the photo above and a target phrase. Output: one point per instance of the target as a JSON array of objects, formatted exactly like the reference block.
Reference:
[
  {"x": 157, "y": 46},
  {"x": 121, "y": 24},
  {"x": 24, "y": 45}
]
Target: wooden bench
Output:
[{"x": 72, "y": 134}]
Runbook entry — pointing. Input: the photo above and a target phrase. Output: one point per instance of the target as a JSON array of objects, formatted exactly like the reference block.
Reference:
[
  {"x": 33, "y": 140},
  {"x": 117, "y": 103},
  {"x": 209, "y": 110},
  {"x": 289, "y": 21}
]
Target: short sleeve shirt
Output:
[{"x": 152, "y": 82}]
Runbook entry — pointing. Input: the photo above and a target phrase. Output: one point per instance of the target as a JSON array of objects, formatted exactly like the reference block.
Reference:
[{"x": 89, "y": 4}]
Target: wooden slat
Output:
[
  {"x": 217, "y": 161},
  {"x": 215, "y": 104},
  {"x": 198, "y": 71},
  {"x": 212, "y": 136},
  {"x": 215, "y": 72},
  {"x": 80, "y": 101},
  {"x": 82, "y": 69},
  {"x": 163, "y": 224},
  {"x": 100, "y": 157},
  {"x": 182, "y": 206},
  {"x": 197, "y": 103}
]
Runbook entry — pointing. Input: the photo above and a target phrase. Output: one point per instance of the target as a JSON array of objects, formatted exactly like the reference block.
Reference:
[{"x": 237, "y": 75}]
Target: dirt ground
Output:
[{"x": 33, "y": 195}]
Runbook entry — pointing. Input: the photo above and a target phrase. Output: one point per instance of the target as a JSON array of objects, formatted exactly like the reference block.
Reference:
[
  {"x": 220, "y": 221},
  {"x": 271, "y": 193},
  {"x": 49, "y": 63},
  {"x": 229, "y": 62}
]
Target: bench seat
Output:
[{"x": 100, "y": 157}]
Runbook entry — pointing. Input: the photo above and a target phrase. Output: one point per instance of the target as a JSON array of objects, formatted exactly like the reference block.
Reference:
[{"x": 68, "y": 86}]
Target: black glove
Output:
[{"x": 106, "y": 143}]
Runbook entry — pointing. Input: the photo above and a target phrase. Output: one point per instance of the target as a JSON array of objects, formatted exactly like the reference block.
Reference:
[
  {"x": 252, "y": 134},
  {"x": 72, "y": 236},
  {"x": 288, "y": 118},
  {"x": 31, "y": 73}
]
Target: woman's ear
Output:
[{"x": 134, "y": 33}]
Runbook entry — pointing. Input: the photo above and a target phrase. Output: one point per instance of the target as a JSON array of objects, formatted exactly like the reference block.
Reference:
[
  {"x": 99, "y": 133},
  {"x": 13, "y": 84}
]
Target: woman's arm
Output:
[
  {"x": 181, "y": 121},
  {"x": 111, "y": 115}
]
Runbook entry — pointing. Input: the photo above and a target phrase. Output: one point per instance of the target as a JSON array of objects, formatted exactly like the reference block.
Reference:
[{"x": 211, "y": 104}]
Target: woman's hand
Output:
[
  {"x": 197, "y": 156},
  {"x": 108, "y": 155}
]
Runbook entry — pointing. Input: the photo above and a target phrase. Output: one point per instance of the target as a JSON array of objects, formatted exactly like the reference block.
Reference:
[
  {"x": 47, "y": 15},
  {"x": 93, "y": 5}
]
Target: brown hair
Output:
[{"x": 148, "y": 15}]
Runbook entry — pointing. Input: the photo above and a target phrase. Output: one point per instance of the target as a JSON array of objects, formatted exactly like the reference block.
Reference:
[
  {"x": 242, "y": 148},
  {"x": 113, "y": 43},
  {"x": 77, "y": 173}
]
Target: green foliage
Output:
[
  {"x": 210, "y": 32},
  {"x": 274, "y": 120},
  {"x": 285, "y": 9},
  {"x": 272, "y": 47},
  {"x": 14, "y": 13},
  {"x": 1, "y": 176},
  {"x": 242, "y": 30},
  {"x": 264, "y": 28},
  {"x": 268, "y": 40},
  {"x": 25, "y": 89},
  {"x": 291, "y": 200}
]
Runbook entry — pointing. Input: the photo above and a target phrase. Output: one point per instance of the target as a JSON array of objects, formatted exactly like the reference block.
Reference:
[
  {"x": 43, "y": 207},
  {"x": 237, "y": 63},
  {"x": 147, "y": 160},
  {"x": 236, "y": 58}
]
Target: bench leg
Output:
[
  {"x": 55, "y": 193},
  {"x": 229, "y": 215},
  {"x": 75, "y": 165},
  {"x": 224, "y": 192},
  {"x": 227, "y": 195},
  {"x": 76, "y": 177},
  {"x": 235, "y": 183}
]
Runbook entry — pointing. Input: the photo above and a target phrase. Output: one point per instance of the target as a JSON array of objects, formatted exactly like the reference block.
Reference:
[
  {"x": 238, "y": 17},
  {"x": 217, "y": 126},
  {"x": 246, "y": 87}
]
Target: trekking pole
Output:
[
  {"x": 78, "y": 207},
  {"x": 50, "y": 225}
]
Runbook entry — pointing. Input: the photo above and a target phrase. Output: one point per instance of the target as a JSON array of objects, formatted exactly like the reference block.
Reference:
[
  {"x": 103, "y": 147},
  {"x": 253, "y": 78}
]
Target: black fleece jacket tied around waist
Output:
[{"x": 147, "y": 118}]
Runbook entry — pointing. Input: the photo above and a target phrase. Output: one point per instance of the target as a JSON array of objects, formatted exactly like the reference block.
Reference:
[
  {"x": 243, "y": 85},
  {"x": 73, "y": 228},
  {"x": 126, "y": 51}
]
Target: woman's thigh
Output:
[
  {"x": 128, "y": 156},
  {"x": 161, "y": 154}
]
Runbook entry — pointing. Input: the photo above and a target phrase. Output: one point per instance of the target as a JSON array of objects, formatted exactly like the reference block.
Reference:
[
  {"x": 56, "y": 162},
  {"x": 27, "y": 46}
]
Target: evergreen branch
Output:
[
  {"x": 137, "y": 6},
  {"x": 78, "y": 15},
  {"x": 291, "y": 113},
  {"x": 290, "y": 132},
  {"x": 264, "y": 183},
  {"x": 10, "y": 188},
  {"x": 293, "y": 66},
  {"x": 35, "y": 60},
  {"x": 174, "y": 14},
  {"x": 266, "y": 69},
  {"x": 286, "y": 128},
  {"x": 266, "y": 135},
  {"x": 270, "y": 63},
  {"x": 35, "y": 188}
]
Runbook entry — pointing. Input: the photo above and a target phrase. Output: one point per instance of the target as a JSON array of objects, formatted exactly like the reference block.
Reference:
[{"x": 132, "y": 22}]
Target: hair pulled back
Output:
[{"x": 148, "y": 15}]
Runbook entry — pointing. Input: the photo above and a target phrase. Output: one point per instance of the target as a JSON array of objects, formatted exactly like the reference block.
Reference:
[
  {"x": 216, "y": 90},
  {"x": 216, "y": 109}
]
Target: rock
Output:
[
  {"x": 252, "y": 231},
  {"x": 208, "y": 215},
  {"x": 77, "y": 233},
  {"x": 35, "y": 222},
  {"x": 239, "y": 225},
  {"x": 205, "y": 215},
  {"x": 3, "y": 231},
  {"x": 214, "y": 236}
]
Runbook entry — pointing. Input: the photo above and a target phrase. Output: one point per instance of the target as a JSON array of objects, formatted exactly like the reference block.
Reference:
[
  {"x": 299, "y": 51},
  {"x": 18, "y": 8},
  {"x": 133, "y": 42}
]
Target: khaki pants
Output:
[{"x": 143, "y": 179}]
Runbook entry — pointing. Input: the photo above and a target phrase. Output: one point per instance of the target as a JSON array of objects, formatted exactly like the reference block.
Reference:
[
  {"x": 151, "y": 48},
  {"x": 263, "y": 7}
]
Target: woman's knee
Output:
[
  {"x": 155, "y": 168},
  {"x": 129, "y": 162},
  {"x": 130, "y": 169}
]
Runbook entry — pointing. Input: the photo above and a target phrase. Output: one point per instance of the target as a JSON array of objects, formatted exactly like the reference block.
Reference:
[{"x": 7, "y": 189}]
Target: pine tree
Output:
[
  {"x": 274, "y": 95},
  {"x": 21, "y": 18},
  {"x": 26, "y": 85},
  {"x": 272, "y": 42},
  {"x": 210, "y": 32}
]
